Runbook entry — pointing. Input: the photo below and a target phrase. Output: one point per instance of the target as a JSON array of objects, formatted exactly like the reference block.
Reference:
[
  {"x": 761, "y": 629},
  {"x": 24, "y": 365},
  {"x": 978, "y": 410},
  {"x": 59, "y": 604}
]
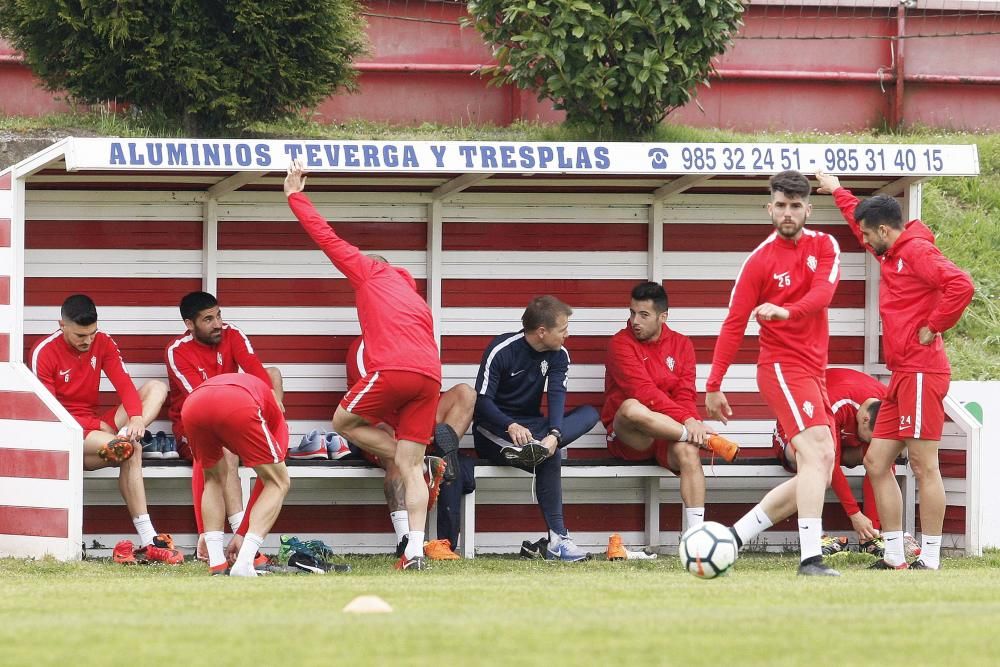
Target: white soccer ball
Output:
[{"x": 708, "y": 550}]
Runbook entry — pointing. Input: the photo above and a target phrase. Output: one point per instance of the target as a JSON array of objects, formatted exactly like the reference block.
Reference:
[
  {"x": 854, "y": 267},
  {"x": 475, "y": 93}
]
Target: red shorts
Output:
[
  {"x": 92, "y": 422},
  {"x": 658, "y": 451},
  {"x": 913, "y": 407},
  {"x": 239, "y": 426},
  {"x": 797, "y": 398},
  {"x": 406, "y": 398}
]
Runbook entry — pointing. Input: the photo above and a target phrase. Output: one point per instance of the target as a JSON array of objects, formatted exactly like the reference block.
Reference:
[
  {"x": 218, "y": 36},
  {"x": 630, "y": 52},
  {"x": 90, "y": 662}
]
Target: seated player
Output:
[
  {"x": 69, "y": 363},
  {"x": 855, "y": 399},
  {"x": 208, "y": 348},
  {"x": 238, "y": 412},
  {"x": 649, "y": 407},
  {"x": 509, "y": 427},
  {"x": 454, "y": 414}
]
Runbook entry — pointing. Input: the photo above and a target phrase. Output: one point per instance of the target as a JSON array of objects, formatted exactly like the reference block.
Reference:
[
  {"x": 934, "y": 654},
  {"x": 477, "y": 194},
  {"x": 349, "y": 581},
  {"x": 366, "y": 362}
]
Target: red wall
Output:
[{"x": 422, "y": 71}]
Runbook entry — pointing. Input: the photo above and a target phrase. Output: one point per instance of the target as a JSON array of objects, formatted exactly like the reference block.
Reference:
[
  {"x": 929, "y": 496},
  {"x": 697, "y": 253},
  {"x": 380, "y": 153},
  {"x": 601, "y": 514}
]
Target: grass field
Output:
[{"x": 502, "y": 611}]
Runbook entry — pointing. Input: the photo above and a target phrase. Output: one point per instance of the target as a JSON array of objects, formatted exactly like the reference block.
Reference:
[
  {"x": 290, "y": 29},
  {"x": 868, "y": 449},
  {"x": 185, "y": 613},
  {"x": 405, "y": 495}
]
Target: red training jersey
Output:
[
  {"x": 659, "y": 374},
  {"x": 74, "y": 377},
  {"x": 800, "y": 276},
  {"x": 190, "y": 362},
  {"x": 847, "y": 390},
  {"x": 919, "y": 287},
  {"x": 395, "y": 320}
]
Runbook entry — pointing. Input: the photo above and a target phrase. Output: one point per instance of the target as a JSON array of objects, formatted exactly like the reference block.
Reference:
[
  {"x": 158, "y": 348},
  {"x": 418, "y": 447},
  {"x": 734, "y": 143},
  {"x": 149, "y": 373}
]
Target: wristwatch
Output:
[{"x": 557, "y": 434}]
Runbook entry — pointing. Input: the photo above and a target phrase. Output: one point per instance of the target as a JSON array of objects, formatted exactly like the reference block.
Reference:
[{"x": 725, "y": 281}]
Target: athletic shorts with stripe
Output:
[
  {"x": 226, "y": 416},
  {"x": 406, "y": 398},
  {"x": 658, "y": 451},
  {"x": 913, "y": 408},
  {"x": 797, "y": 397},
  {"x": 92, "y": 422}
]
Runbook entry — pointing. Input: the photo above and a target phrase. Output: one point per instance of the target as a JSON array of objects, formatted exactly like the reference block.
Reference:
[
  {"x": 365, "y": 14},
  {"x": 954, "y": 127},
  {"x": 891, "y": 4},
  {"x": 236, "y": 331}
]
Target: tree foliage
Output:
[
  {"x": 614, "y": 66},
  {"x": 214, "y": 65}
]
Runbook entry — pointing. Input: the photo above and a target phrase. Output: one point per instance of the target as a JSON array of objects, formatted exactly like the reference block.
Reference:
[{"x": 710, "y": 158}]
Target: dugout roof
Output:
[{"x": 442, "y": 169}]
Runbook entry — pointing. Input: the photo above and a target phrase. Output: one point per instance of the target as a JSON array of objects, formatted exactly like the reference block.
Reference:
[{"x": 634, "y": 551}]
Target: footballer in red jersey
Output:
[
  {"x": 404, "y": 377},
  {"x": 921, "y": 294},
  {"x": 786, "y": 285},
  {"x": 208, "y": 348},
  {"x": 239, "y": 413},
  {"x": 69, "y": 364},
  {"x": 649, "y": 407}
]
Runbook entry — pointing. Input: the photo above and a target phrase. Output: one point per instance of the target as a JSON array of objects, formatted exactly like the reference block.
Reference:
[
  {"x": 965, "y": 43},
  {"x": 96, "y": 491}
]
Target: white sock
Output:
[
  {"x": 894, "y": 547},
  {"x": 216, "y": 554},
  {"x": 122, "y": 431},
  {"x": 144, "y": 527},
  {"x": 235, "y": 520},
  {"x": 811, "y": 538},
  {"x": 684, "y": 434},
  {"x": 400, "y": 523},
  {"x": 694, "y": 516},
  {"x": 243, "y": 567},
  {"x": 752, "y": 524},
  {"x": 930, "y": 550},
  {"x": 415, "y": 545}
]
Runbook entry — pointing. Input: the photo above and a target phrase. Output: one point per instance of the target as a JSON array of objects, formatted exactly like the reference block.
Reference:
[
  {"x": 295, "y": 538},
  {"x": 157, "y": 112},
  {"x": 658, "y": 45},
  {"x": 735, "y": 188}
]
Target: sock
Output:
[
  {"x": 235, "y": 520},
  {"x": 400, "y": 523},
  {"x": 695, "y": 516},
  {"x": 810, "y": 538},
  {"x": 894, "y": 547},
  {"x": 684, "y": 434},
  {"x": 930, "y": 550},
  {"x": 414, "y": 545},
  {"x": 752, "y": 524},
  {"x": 144, "y": 527},
  {"x": 555, "y": 538},
  {"x": 243, "y": 567},
  {"x": 216, "y": 554},
  {"x": 122, "y": 431}
]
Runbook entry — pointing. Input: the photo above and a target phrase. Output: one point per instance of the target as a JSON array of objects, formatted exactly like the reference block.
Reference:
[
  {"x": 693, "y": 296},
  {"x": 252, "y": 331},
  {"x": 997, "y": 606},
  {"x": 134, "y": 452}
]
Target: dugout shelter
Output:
[{"x": 483, "y": 227}]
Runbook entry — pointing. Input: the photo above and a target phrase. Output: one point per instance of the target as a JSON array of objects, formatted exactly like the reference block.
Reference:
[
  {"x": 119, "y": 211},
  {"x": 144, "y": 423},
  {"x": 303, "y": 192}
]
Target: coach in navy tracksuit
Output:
[{"x": 509, "y": 427}]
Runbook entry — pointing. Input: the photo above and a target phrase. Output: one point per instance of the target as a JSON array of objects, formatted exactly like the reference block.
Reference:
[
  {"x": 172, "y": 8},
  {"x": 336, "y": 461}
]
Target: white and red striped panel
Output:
[
  {"x": 139, "y": 255},
  {"x": 41, "y": 464},
  {"x": 6, "y": 264}
]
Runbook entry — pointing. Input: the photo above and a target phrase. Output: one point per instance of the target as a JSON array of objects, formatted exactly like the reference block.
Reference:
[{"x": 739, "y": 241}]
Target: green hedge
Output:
[{"x": 214, "y": 66}]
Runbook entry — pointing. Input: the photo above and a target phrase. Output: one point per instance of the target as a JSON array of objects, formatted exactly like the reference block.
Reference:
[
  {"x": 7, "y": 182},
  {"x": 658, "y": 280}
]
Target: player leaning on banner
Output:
[
  {"x": 921, "y": 294},
  {"x": 786, "y": 284},
  {"x": 404, "y": 375},
  {"x": 649, "y": 407},
  {"x": 509, "y": 428},
  {"x": 69, "y": 363}
]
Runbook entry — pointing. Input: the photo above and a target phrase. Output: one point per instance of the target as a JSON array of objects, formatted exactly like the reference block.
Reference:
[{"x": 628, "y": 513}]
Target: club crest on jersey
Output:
[
  {"x": 899, "y": 265},
  {"x": 811, "y": 263},
  {"x": 544, "y": 366},
  {"x": 93, "y": 363},
  {"x": 218, "y": 358},
  {"x": 807, "y": 408},
  {"x": 784, "y": 279},
  {"x": 670, "y": 363}
]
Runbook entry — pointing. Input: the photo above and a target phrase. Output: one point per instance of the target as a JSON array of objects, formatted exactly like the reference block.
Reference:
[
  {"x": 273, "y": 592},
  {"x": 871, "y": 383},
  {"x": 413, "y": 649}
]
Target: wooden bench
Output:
[{"x": 766, "y": 472}]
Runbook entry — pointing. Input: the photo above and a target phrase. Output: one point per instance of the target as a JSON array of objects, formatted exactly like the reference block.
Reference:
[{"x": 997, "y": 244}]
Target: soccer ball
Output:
[{"x": 708, "y": 550}]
